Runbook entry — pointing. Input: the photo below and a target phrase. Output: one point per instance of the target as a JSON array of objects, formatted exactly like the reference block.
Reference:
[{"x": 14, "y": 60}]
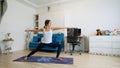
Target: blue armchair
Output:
[{"x": 56, "y": 38}]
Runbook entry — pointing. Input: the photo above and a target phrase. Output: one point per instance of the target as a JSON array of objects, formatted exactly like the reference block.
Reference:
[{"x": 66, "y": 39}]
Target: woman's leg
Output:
[
  {"x": 59, "y": 49},
  {"x": 34, "y": 51}
]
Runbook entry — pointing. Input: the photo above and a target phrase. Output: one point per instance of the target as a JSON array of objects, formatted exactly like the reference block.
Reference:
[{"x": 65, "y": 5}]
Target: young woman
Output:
[{"x": 47, "y": 39}]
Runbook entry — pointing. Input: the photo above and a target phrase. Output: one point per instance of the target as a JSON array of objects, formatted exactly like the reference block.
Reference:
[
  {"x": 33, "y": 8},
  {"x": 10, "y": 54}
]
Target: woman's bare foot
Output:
[
  {"x": 59, "y": 58},
  {"x": 25, "y": 58}
]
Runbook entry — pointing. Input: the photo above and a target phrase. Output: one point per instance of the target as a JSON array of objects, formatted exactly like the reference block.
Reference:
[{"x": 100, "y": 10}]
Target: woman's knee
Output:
[
  {"x": 60, "y": 45},
  {"x": 39, "y": 46}
]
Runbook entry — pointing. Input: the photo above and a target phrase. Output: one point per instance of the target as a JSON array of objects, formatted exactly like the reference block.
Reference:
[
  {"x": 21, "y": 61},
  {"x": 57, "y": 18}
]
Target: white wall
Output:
[
  {"x": 92, "y": 14},
  {"x": 17, "y": 18},
  {"x": 86, "y": 14}
]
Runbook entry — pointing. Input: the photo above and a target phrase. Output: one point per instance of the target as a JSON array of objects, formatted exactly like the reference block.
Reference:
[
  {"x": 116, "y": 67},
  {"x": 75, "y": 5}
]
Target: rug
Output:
[{"x": 46, "y": 59}]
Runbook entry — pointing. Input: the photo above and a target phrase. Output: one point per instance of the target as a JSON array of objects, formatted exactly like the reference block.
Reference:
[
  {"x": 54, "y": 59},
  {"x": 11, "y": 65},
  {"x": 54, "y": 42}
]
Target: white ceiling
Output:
[{"x": 41, "y": 3}]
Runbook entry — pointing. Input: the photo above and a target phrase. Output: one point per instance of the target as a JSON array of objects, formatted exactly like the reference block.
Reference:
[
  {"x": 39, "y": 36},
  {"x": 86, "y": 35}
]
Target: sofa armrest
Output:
[{"x": 35, "y": 39}]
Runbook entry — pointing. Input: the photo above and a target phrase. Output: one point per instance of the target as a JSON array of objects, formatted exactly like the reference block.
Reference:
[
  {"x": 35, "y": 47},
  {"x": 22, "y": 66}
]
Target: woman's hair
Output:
[{"x": 46, "y": 22}]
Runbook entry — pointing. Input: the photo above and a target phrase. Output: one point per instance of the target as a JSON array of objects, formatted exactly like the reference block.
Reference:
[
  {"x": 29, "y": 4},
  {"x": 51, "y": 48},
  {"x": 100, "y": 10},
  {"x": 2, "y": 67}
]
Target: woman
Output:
[{"x": 47, "y": 39}]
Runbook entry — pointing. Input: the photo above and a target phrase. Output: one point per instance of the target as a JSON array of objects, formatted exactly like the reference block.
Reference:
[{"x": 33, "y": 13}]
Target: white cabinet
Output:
[{"x": 104, "y": 45}]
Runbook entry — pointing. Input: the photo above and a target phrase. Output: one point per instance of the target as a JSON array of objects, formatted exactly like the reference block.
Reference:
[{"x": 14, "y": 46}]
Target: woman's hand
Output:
[{"x": 27, "y": 30}]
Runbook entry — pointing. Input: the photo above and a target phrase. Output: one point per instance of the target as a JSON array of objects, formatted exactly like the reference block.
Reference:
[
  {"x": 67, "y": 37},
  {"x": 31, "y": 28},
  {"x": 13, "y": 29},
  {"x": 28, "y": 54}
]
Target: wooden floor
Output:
[{"x": 80, "y": 61}]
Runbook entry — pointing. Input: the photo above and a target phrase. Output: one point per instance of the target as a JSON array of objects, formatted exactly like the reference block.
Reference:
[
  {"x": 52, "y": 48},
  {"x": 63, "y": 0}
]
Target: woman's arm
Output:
[
  {"x": 58, "y": 28},
  {"x": 34, "y": 30}
]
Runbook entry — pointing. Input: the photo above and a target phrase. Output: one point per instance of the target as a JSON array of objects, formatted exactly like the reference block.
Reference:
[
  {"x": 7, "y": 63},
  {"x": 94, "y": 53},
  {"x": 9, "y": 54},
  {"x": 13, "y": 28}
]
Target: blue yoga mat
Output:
[{"x": 46, "y": 59}]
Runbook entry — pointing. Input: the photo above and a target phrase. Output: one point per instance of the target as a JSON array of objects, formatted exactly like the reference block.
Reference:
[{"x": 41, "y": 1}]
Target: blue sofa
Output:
[{"x": 56, "y": 38}]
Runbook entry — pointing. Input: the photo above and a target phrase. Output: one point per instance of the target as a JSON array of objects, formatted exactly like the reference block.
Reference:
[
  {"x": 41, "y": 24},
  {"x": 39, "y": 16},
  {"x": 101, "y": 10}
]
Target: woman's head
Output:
[{"x": 47, "y": 23}]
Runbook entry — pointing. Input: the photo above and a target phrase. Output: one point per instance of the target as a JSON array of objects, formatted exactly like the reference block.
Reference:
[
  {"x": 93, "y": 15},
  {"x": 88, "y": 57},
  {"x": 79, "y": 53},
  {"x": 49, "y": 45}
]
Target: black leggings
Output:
[{"x": 41, "y": 45}]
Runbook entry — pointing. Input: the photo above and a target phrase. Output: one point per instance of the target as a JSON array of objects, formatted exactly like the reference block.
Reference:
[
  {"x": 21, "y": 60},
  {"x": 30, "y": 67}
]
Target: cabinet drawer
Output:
[
  {"x": 100, "y": 44},
  {"x": 116, "y": 52},
  {"x": 115, "y": 38},
  {"x": 115, "y": 44},
  {"x": 100, "y": 38}
]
